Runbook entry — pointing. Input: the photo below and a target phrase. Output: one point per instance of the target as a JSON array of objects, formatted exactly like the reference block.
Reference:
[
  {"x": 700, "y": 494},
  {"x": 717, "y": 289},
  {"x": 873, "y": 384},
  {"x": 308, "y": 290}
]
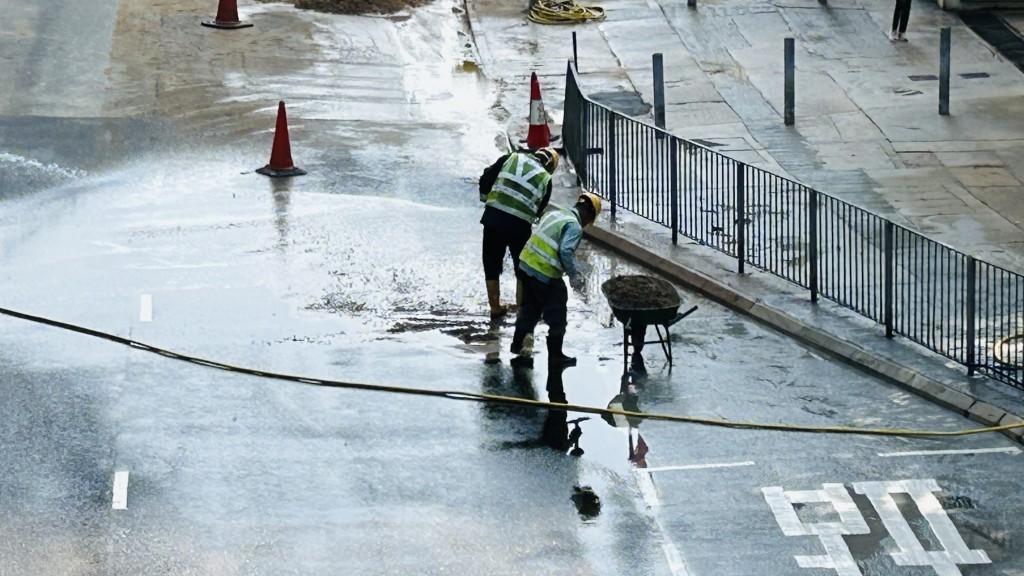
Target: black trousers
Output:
[
  {"x": 540, "y": 299},
  {"x": 901, "y": 15},
  {"x": 496, "y": 242}
]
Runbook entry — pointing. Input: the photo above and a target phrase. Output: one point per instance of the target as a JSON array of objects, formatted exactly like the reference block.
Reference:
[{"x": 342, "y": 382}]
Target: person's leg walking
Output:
[
  {"x": 895, "y": 20},
  {"x": 556, "y": 317},
  {"x": 903, "y": 10},
  {"x": 493, "y": 251},
  {"x": 529, "y": 313}
]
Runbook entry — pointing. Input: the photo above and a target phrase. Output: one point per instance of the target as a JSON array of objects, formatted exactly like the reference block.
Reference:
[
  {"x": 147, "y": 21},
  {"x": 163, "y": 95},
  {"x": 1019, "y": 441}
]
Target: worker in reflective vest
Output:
[
  {"x": 516, "y": 189},
  {"x": 549, "y": 255}
]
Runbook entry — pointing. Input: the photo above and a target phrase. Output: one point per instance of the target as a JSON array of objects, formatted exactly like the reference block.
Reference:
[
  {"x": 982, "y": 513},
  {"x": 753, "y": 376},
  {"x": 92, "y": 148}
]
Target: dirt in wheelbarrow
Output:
[
  {"x": 640, "y": 293},
  {"x": 356, "y": 6}
]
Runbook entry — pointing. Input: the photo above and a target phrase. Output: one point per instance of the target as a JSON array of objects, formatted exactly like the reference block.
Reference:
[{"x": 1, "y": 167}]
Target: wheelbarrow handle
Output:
[{"x": 682, "y": 315}]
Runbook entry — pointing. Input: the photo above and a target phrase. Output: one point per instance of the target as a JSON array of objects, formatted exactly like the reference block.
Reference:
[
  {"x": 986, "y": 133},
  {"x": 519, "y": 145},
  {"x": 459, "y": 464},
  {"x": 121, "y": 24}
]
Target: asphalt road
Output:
[{"x": 142, "y": 218}]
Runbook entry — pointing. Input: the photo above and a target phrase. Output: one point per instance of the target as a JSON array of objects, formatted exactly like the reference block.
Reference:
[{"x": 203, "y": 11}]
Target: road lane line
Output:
[
  {"x": 1008, "y": 449},
  {"x": 698, "y": 466},
  {"x": 146, "y": 308},
  {"x": 120, "y": 501},
  {"x": 675, "y": 559},
  {"x": 648, "y": 492}
]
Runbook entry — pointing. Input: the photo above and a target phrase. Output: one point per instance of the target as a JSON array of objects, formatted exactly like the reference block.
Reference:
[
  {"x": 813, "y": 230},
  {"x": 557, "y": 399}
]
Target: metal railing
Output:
[{"x": 953, "y": 304}]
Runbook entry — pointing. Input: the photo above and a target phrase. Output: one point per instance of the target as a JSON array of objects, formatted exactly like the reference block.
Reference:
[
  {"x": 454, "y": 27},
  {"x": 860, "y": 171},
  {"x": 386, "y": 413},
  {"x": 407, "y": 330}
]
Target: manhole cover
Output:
[{"x": 625, "y": 102}]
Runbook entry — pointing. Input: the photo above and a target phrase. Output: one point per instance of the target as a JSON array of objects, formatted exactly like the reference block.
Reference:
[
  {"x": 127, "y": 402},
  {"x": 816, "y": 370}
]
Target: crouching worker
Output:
[
  {"x": 549, "y": 255},
  {"x": 516, "y": 189}
]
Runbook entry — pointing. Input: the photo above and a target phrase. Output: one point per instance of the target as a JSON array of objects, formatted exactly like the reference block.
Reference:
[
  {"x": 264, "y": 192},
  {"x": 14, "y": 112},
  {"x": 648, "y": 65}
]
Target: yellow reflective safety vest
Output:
[
  {"x": 520, "y": 187},
  {"x": 541, "y": 252}
]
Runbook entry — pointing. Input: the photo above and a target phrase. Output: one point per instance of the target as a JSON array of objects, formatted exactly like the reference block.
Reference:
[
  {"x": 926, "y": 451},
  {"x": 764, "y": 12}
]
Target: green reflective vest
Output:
[
  {"x": 520, "y": 187},
  {"x": 541, "y": 251}
]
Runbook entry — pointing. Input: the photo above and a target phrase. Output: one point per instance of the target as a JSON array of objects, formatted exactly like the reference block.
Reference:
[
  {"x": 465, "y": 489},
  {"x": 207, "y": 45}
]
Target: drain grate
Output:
[
  {"x": 970, "y": 75},
  {"x": 922, "y": 77}
]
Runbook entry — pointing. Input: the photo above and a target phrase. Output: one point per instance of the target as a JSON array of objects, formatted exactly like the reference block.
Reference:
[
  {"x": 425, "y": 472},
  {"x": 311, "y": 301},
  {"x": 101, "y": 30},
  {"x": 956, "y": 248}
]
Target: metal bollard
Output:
[
  {"x": 790, "y": 96},
  {"x": 944, "y": 61},
  {"x": 659, "y": 93}
]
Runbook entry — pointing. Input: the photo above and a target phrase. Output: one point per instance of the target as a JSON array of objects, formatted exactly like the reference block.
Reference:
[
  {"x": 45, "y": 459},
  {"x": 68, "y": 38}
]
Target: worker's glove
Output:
[{"x": 578, "y": 282}]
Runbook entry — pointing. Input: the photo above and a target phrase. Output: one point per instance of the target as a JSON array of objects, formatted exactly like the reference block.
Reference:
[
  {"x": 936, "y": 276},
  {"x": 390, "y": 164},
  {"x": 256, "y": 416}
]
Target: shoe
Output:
[
  {"x": 900, "y": 37},
  {"x": 894, "y": 36},
  {"x": 561, "y": 361}
]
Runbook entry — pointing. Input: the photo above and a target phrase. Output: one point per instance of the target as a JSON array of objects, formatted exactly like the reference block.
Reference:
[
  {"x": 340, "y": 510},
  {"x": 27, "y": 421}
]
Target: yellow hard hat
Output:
[
  {"x": 549, "y": 157},
  {"x": 594, "y": 200}
]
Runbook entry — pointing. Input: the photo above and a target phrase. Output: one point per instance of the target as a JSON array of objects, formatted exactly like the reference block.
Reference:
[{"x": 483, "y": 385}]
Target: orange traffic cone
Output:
[
  {"x": 539, "y": 134},
  {"x": 281, "y": 155},
  {"x": 227, "y": 16}
]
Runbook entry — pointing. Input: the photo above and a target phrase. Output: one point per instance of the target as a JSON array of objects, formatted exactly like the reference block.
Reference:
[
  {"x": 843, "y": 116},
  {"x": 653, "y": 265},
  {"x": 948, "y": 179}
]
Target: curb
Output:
[{"x": 904, "y": 377}]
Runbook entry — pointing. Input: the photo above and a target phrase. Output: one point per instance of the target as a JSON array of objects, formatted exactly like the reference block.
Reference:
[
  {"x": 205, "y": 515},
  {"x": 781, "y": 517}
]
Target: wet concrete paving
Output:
[{"x": 143, "y": 218}]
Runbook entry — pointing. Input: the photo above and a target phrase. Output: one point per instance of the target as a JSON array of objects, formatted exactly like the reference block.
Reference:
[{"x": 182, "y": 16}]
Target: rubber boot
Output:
[
  {"x": 494, "y": 299},
  {"x": 556, "y": 359}
]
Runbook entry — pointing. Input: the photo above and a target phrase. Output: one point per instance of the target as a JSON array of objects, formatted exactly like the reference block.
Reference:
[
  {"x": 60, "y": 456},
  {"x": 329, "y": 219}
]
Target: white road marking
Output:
[
  {"x": 649, "y": 493},
  {"x": 1008, "y": 449},
  {"x": 675, "y": 559},
  {"x": 120, "y": 501},
  {"x": 146, "y": 308},
  {"x": 912, "y": 552},
  {"x": 698, "y": 466}
]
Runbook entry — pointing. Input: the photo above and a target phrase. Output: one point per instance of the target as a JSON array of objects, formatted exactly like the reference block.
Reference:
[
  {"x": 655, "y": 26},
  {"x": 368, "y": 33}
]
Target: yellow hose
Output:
[
  {"x": 508, "y": 400},
  {"x": 563, "y": 12}
]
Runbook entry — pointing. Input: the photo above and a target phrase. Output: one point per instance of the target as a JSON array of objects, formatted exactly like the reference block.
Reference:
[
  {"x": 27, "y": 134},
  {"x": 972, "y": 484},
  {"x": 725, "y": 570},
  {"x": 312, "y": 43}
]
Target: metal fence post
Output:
[
  {"x": 613, "y": 175},
  {"x": 889, "y": 277},
  {"x": 741, "y": 216},
  {"x": 812, "y": 228},
  {"x": 970, "y": 305},
  {"x": 944, "y": 58},
  {"x": 790, "y": 80},
  {"x": 673, "y": 187},
  {"x": 583, "y": 169},
  {"x": 575, "y": 59}
]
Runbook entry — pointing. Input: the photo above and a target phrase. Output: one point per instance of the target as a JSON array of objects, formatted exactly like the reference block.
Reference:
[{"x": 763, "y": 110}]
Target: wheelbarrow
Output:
[{"x": 644, "y": 300}]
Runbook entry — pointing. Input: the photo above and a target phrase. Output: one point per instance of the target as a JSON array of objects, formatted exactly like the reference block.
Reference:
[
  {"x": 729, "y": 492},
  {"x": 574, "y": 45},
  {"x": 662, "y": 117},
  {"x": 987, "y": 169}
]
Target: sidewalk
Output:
[{"x": 865, "y": 132}]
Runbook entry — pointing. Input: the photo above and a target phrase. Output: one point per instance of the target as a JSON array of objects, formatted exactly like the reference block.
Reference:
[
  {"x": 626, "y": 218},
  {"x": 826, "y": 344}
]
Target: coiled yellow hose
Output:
[{"x": 563, "y": 12}]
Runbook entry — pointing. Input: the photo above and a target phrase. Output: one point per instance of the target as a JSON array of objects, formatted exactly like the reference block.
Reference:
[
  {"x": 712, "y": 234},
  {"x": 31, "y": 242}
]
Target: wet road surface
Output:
[{"x": 144, "y": 220}]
